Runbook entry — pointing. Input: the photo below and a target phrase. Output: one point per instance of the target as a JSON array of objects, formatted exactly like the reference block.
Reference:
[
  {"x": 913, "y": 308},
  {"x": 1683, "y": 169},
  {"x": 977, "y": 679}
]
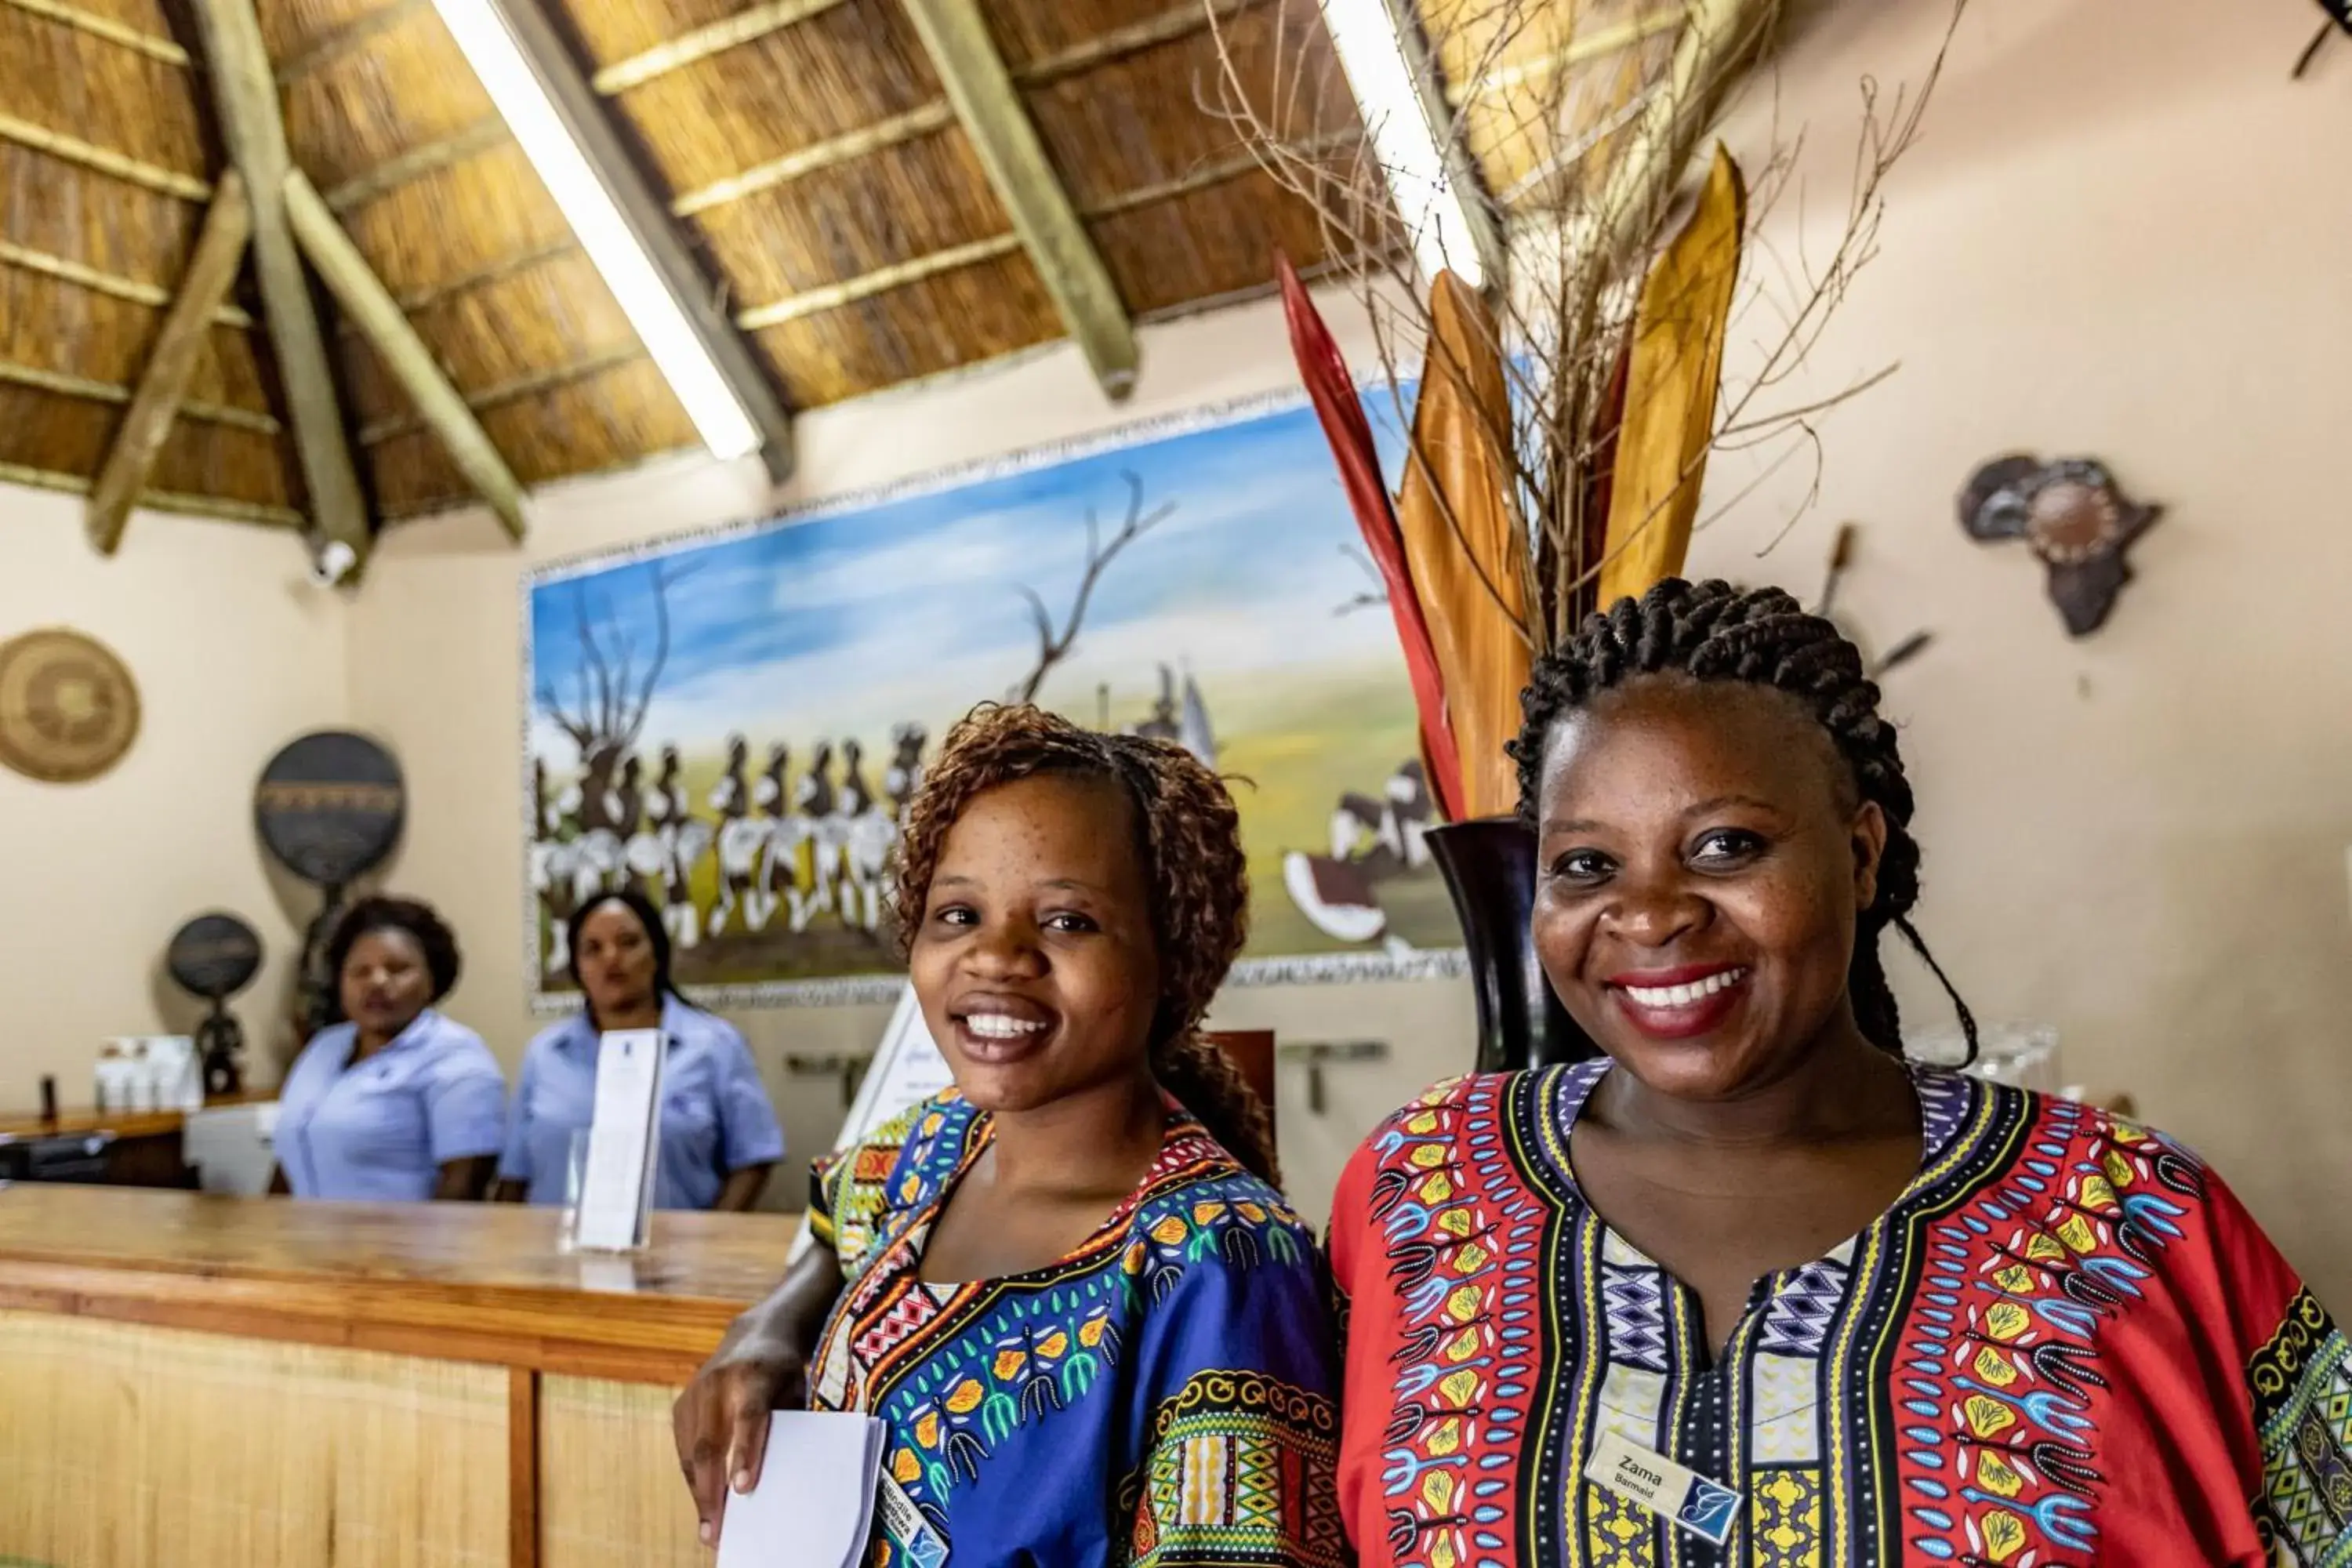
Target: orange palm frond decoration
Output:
[
  {"x": 1340, "y": 407},
  {"x": 1676, "y": 371},
  {"x": 1465, "y": 543}
]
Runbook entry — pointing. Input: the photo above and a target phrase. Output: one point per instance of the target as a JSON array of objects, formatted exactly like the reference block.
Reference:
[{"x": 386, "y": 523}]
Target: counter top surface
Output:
[
  {"x": 463, "y": 1281},
  {"x": 121, "y": 1123}
]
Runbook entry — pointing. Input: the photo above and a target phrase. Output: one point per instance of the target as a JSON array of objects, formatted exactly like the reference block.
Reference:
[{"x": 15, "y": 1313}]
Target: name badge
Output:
[
  {"x": 1704, "y": 1507},
  {"x": 912, "y": 1540}
]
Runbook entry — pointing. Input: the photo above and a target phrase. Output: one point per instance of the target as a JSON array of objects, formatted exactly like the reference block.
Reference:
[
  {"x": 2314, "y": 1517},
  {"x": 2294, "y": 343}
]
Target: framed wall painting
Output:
[{"x": 732, "y": 720}]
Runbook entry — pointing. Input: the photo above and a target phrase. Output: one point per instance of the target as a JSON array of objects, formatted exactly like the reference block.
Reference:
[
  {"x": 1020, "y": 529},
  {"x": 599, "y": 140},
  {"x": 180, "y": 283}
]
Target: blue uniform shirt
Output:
[
  {"x": 380, "y": 1131},
  {"x": 715, "y": 1117}
]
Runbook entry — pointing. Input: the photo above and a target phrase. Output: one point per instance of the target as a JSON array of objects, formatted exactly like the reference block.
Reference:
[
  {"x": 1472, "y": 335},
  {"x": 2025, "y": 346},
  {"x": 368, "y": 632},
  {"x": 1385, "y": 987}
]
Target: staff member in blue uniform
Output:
[
  {"x": 719, "y": 1137},
  {"x": 399, "y": 1104}
]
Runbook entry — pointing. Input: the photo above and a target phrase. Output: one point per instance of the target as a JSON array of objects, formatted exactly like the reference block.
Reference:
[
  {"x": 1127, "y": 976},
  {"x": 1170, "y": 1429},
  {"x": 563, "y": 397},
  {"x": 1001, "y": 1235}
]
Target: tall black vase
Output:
[{"x": 1489, "y": 867}]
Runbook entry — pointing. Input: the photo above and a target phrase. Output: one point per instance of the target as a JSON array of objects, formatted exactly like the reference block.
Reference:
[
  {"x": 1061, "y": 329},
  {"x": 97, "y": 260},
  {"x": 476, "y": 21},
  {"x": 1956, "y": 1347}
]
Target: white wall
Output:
[{"x": 234, "y": 655}]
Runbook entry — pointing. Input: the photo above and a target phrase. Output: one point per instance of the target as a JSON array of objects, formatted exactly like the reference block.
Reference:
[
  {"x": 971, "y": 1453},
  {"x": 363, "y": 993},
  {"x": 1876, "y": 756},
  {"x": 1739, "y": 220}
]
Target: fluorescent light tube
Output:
[
  {"x": 1383, "y": 77},
  {"x": 490, "y": 47}
]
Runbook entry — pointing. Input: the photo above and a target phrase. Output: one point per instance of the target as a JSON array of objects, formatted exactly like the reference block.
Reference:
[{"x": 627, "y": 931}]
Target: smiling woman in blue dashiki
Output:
[
  {"x": 1158, "y": 1395},
  {"x": 1094, "y": 1333}
]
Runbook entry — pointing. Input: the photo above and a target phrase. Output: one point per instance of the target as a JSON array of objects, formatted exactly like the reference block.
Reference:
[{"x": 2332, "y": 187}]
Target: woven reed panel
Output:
[
  {"x": 609, "y": 1491},
  {"x": 126, "y": 1446}
]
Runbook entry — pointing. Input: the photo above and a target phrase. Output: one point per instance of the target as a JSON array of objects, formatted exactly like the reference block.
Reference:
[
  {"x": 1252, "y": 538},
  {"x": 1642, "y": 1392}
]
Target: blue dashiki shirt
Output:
[{"x": 1164, "y": 1395}]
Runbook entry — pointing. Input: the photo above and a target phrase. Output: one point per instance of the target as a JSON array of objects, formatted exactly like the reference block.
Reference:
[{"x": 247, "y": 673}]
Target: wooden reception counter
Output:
[{"x": 189, "y": 1380}]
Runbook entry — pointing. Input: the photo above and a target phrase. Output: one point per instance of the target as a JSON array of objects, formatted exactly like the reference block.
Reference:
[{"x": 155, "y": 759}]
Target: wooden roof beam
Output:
[
  {"x": 881, "y": 281},
  {"x": 989, "y": 104},
  {"x": 107, "y": 27},
  {"x": 348, "y": 39},
  {"x": 701, "y": 43},
  {"x": 646, "y": 217},
  {"x": 377, "y": 432},
  {"x": 900, "y": 275},
  {"x": 254, "y": 130},
  {"x": 163, "y": 385},
  {"x": 104, "y": 160},
  {"x": 226, "y": 507},
  {"x": 114, "y": 284},
  {"x": 1597, "y": 44},
  {"x": 1177, "y": 23},
  {"x": 418, "y": 162},
  {"x": 831, "y": 152},
  {"x": 368, "y": 303},
  {"x": 1181, "y": 21},
  {"x": 39, "y": 380}
]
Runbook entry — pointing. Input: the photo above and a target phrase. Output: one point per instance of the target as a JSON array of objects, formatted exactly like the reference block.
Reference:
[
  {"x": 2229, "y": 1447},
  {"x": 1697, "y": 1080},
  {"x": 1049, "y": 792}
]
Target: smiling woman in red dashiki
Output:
[{"x": 1748, "y": 1289}]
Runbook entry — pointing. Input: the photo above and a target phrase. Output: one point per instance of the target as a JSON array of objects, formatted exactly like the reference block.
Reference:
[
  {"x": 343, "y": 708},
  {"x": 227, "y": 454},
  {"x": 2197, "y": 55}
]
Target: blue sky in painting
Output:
[{"x": 911, "y": 607}]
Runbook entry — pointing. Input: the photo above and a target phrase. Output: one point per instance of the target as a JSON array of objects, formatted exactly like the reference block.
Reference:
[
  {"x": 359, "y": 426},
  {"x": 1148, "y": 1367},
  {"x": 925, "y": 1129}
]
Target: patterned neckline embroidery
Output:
[{"x": 1184, "y": 1144}]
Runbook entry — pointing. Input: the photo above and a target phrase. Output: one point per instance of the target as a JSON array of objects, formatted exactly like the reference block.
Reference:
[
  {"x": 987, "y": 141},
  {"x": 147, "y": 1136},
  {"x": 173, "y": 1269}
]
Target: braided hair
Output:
[
  {"x": 1189, "y": 841},
  {"x": 1761, "y": 637}
]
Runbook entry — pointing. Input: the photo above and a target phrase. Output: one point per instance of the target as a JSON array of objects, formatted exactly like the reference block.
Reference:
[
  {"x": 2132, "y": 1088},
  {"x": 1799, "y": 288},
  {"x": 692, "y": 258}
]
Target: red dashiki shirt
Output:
[{"x": 2065, "y": 1343}]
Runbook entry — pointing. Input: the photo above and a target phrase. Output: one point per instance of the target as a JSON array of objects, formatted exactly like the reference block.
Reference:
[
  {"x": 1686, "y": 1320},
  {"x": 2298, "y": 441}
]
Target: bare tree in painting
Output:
[
  {"x": 1053, "y": 646},
  {"x": 611, "y": 696}
]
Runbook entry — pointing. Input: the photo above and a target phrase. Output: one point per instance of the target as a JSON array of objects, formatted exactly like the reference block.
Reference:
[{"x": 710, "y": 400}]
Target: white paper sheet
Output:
[
  {"x": 623, "y": 1142},
  {"x": 815, "y": 1502}
]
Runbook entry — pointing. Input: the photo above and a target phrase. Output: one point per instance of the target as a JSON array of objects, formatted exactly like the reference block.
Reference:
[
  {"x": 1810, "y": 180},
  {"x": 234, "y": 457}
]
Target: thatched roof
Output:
[{"x": 807, "y": 149}]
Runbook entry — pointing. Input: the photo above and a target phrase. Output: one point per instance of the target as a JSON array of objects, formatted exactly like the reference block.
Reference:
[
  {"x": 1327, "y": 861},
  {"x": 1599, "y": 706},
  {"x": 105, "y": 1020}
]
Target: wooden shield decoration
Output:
[
  {"x": 214, "y": 956},
  {"x": 68, "y": 709},
  {"x": 329, "y": 807}
]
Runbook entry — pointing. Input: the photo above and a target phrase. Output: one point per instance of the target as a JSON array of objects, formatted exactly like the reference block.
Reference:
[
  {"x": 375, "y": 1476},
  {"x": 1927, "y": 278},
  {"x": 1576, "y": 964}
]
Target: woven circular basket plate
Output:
[{"x": 68, "y": 709}]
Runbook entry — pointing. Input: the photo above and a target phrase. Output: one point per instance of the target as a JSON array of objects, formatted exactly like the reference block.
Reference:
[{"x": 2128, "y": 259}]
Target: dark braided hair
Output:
[
  {"x": 1761, "y": 637},
  {"x": 1188, "y": 836}
]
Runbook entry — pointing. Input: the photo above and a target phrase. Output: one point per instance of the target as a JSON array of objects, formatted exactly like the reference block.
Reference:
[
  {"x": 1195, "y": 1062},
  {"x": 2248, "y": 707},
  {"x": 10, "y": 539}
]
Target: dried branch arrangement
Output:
[{"x": 1564, "y": 412}]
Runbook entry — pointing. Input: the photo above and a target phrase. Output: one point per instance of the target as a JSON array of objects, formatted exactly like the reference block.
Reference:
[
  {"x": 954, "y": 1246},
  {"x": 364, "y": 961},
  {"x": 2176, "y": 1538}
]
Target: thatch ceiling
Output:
[{"x": 805, "y": 147}]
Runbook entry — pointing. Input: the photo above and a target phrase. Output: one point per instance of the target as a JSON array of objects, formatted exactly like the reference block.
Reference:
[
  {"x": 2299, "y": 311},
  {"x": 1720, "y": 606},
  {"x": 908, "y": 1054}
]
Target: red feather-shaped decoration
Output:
[{"x": 1340, "y": 407}]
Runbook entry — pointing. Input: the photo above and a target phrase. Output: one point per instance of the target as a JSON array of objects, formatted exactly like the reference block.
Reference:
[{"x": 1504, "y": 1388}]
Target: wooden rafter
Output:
[
  {"x": 66, "y": 270},
  {"x": 701, "y": 43},
  {"x": 987, "y": 101},
  {"x": 1216, "y": 172},
  {"x": 348, "y": 39},
  {"x": 356, "y": 287},
  {"x": 646, "y": 215},
  {"x": 227, "y": 507},
  {"x": 1178, "y": 22},
  {"x": 1598, "y": 44},
  {"x": 863, "y": 142},
  {"x": 426, "y": 298},
  {"x": 377, "y": 432},
  {"x": 104, "y": 160},
  {"x": 163, "y": 385},
  {"x": 898, "y": 275},
  {"x": 417, "y": 163},
  {"x": 252, "y": 124},
  {"x": 931, "y": 118},
  {"x": 39, "y": 380},
  {"x": 881, "y": 281},
  {"x": 107, "y": 27}
]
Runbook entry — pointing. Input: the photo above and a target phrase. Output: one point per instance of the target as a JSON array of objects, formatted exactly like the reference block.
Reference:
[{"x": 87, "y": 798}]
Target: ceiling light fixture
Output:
[
  {"x": 490, "y": 47},
  {"x": 1402, "y": 115}
]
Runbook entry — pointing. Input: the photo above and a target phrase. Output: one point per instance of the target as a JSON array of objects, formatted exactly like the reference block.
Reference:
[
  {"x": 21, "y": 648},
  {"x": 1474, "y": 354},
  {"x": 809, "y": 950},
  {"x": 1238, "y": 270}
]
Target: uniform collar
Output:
[{"x": 579, "y": 1031}]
